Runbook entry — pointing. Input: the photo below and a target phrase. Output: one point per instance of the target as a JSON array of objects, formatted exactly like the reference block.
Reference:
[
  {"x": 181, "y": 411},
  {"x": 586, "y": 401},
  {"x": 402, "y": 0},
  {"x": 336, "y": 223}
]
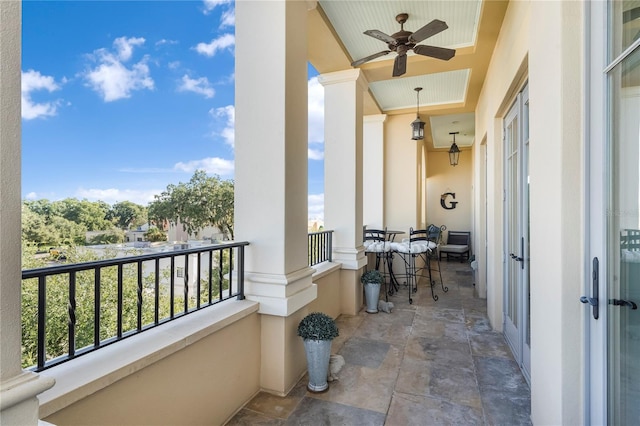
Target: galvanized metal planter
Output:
[
  {"x": 318, "y": 355},
  {"x": 371, "y": 295}
]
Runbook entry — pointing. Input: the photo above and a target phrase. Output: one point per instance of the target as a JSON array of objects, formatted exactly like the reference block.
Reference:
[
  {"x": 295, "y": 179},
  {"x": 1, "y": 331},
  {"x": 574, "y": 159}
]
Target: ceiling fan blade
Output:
[
  {"x": 400, "y": 65},
  {"x": 432, "y": 28},
  {"x": 380, "y": 36},
  {"x": 435, "y": 52},
  {"x": 368, "y": 58}
]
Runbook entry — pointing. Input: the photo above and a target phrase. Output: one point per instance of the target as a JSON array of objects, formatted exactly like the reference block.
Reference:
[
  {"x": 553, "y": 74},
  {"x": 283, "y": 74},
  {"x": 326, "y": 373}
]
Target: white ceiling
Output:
[{"x": 445, "y": 88}]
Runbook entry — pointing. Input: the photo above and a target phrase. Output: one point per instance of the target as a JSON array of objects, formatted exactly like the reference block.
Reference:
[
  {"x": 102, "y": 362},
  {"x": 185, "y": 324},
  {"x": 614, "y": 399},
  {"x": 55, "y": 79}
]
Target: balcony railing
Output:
[
  {"x": 109, "y": 300},
  {"x": 320, "y": 247}
]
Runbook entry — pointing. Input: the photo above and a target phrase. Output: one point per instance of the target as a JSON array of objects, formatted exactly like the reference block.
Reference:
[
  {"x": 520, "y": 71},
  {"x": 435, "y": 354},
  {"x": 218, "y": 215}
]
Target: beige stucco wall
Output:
[
  {"x": 402, "y": 186},
  {"x": 441, "y": 178},
  {"x": 548, "y": 55},
  {"x": 504, "y": 77},
  {"x": 190, "y": 387},
  {"x": 556, "y": 66}
]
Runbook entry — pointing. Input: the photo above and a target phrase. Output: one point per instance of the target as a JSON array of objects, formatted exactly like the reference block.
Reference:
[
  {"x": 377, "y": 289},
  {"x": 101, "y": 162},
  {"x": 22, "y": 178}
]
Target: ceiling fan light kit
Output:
[{"x": 403, "y": 41}]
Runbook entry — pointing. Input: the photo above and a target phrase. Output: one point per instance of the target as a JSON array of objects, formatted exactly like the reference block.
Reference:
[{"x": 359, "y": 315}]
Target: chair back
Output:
[
  {"x": 375, "y": 235},
  {"x": 434, "y": 233},
  {"x": 375, "y": 240},
  {"x": 418, "y": 235}
]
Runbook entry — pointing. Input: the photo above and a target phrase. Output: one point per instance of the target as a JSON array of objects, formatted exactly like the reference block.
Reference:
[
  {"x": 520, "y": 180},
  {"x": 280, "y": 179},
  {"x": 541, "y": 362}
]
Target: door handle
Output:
[
  {"x": 627, "y": 303},
  {"x": 519, "y": 258},
  {"x": 593, "y": 301}
]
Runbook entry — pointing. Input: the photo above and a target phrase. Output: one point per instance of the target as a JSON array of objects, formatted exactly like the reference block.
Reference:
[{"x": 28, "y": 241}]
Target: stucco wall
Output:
[
  {"x": 541, "y": 42},
  {"x": 402, "y": 185},
  {"x": 506, "y": 74},
  {"x": 442, "y": 178},
  {"x": 190, "y": 387}
]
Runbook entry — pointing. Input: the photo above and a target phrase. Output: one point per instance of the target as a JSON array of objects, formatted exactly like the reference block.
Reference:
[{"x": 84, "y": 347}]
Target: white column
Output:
[
  {"x": 271, "y": 152},
  {"x": 343, "y": 91},
  {"x": 373, "y": 171},
  {"x": 18, "y": 389}
]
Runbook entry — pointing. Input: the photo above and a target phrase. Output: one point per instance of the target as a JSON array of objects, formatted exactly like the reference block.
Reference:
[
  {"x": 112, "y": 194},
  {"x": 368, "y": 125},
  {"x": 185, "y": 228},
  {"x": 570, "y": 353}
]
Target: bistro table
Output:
[{"x": 395, "y": 286}]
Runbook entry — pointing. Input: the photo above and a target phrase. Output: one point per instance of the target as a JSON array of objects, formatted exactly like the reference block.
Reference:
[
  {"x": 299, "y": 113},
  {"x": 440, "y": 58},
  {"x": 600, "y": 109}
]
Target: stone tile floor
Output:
[{"x": 426, "y": 363}]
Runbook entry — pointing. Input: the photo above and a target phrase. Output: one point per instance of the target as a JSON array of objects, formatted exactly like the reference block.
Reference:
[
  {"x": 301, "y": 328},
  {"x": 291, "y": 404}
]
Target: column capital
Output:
[
  {"x": 375, "y": 118},
  {"x": 343, "y": 76}
]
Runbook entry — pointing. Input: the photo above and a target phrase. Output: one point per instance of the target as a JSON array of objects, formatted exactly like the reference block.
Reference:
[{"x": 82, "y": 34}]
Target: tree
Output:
[
  {"x": 155, "y": 234},
  {"x": 112, "y": 236},
  {"x": 51, "y": 231},
  {"x": 90, "y": 214},
  {"x": 203, "y": 201},
  {"x": 126, "y": 215}
]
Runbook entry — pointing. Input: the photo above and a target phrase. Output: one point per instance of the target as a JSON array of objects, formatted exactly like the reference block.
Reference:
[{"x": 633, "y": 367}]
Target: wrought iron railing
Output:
[
  {"x": 320, "y": 247},
  {"x": 109, "y": 300}
]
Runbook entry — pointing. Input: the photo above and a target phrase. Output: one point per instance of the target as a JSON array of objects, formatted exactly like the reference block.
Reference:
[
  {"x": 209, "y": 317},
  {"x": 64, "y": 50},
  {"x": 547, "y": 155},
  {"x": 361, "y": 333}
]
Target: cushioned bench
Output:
[{"x": 458, "y": 245}]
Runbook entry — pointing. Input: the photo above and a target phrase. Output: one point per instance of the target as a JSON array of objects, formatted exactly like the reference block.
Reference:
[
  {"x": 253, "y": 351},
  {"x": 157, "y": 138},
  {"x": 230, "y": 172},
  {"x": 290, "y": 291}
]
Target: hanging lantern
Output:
[
  {"x": 417, "y": 125},
  {"x": 454, "y": 151}
]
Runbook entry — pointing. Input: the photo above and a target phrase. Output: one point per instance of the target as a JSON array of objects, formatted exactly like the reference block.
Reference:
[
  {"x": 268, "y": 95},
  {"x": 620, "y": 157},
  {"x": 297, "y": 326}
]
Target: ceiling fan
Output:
[{"x": 402, "y": 41}]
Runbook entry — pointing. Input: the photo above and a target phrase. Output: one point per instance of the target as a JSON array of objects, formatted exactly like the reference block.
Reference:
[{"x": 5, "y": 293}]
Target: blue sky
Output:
[{"x": 122, "y": 98}]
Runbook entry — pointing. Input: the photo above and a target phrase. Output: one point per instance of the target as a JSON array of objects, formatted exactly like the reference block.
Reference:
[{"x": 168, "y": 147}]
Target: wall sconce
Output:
[
  {"x": 454, "y": 151},
  {"x": 417, "y": 126}
]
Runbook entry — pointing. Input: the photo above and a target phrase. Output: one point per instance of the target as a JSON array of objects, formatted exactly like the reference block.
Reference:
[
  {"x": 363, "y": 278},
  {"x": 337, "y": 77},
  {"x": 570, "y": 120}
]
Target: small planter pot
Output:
[
  {"x": 318, "y": 356},
  {"x": 372, "y": 295}
]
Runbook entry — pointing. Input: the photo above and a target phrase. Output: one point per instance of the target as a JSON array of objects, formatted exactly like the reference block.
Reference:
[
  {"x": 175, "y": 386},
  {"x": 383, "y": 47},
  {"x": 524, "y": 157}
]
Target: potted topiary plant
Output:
[
  {"x": 372, "y": 279},
  {"x": 317, "y": 331}
]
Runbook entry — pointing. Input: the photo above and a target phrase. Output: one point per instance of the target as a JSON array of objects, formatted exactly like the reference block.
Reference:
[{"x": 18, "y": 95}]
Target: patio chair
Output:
[
  {"x": 434, "y": 234},
  {"x": 458, "y": 245},
  {"x": 375, "y": 241},
  {"x": 416, "y": 247}
]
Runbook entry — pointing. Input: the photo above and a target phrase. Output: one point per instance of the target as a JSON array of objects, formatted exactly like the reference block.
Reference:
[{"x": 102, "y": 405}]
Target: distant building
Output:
[
  {"x": 176, "y": 232},
  {"x": 137, "y": 234},
  {"x": 315, "y": 225}
]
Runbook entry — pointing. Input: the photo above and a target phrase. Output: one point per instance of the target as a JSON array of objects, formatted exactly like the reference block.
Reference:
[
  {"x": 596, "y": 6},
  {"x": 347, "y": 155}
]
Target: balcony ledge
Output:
[
  {"x": 325, "y": 268},
  {"x": 87, "y": 374}
]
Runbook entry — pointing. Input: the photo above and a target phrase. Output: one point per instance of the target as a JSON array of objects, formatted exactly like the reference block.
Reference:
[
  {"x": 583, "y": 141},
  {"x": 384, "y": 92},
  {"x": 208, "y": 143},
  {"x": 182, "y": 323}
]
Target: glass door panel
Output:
[
  {"x": 512, "y": 235},
  {"x": 623, "y": 243}
]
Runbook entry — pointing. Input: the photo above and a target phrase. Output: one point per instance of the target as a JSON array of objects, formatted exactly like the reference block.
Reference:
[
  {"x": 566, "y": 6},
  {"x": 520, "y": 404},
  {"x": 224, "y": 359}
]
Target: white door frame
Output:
[{"x": 516, "y": 335}]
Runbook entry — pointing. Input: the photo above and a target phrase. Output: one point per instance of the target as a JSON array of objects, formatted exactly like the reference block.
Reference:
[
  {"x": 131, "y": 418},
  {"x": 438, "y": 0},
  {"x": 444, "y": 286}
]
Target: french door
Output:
[
  {"x": 613, "y": 290},
  {"x": 516, "y": 213}
]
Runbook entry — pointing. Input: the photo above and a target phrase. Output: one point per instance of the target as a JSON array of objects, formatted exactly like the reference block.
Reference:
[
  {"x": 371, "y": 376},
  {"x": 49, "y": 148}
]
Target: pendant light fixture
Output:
[
  {"x": 454, "y": 151},
  {"x": 417, "y": 126}
]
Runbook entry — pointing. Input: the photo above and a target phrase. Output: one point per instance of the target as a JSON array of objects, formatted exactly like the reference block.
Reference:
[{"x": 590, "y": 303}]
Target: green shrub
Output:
[{"x": 318, "y": 326}]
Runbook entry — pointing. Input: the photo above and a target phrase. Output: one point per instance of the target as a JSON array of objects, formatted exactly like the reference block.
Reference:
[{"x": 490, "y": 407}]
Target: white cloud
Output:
[
  {"x": 316, "y": 206},
  {"x": 173, "y": 65},
  {"x": 227, "y": 113},
  {"x": 32, "y": 81},
  {"x": 228, "y": 18},
  {"x": 212, "y": 165},
  {"x": 315, "y": 154},
  {"x": 111, "y": 78},
  {"x": 165, "y": 41},
  {"x": 209, "y": 5},
  {"x": 31, "y": 196},
  {"x": 223, "y": 42},
  {"x": 124, "y": 46},
  {"x": 316, "y": 118},
  {"x": 199, "y": 85},
  {"x": 113, "y": 195}
]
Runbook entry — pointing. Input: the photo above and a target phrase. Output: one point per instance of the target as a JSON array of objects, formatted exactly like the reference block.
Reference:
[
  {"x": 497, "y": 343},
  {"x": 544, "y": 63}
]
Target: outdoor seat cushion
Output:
[
  {"x": 454, "y": 248},
  {"x": 377, "y": 246},
  {"x": 413, "y": 248}
]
